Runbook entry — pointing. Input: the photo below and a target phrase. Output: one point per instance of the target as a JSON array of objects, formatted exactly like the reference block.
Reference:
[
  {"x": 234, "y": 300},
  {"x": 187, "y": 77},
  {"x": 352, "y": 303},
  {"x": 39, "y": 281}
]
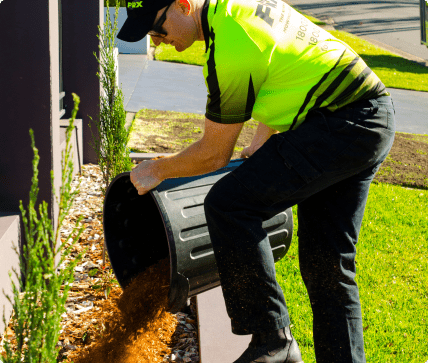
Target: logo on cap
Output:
[{"x": 135, "y": 4}]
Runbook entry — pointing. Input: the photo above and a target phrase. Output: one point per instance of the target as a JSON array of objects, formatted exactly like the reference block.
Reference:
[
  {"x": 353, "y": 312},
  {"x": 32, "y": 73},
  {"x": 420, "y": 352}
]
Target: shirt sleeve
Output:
[{"x": 233, "y": 73}]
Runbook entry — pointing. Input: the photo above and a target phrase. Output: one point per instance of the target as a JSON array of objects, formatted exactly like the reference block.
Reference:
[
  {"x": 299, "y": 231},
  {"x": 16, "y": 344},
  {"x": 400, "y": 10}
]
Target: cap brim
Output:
[{"x": 135, "y": 29}]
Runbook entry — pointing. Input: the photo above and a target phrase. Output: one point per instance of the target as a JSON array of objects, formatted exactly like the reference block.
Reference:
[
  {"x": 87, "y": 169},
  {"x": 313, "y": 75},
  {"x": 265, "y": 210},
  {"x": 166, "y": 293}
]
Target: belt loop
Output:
[
  {"x": 375, "y": 105},
  {"x": 325, "y": 120}
]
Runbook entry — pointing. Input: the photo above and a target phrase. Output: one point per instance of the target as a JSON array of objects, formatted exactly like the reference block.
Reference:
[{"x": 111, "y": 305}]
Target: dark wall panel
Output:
[
  {"x": 79, "y": 32},
  {"x": 25, "y": 100}
]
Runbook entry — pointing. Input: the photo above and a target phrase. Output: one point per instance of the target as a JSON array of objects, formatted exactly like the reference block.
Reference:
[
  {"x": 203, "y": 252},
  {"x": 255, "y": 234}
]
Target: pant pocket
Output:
[
  {"x": 276, "y": 171},
  {"x": 294, "y": 159}
]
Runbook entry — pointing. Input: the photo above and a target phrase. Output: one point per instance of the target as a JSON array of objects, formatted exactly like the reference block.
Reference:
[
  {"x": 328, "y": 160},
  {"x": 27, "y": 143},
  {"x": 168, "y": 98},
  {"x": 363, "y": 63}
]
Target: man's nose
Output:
[{"x": 157, "y": 40}]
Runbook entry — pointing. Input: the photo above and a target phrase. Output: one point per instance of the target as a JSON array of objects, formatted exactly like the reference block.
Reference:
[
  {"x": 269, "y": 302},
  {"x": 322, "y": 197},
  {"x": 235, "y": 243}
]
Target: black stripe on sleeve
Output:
[
  {"x": 251, "y": 98},
  {"x": 356, "y": 83},
  {"x": 314, "y": 89},
  {"x": 336, "y": 83},
  {"x": 376, "y": 91},
  {"x": 213, "y": 87},
  {"x": 205, "y": 26}
]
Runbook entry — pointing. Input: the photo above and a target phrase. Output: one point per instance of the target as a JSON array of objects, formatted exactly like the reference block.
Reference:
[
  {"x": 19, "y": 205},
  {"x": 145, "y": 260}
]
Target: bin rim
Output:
[{"x": 167, "y": 226}]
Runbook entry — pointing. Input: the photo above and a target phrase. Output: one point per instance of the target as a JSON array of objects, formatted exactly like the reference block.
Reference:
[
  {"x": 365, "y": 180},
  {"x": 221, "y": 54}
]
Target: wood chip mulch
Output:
[{"x": 104, "y": 323}]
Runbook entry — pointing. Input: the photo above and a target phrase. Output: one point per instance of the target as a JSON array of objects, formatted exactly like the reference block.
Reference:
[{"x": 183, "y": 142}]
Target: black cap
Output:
[{"x": 141, "y": 16}]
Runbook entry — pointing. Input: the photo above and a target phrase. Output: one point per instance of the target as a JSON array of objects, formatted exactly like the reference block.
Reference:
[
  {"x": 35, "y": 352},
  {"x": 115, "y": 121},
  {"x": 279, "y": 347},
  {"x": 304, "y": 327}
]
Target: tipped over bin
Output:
[{"x": 169, "y": 222}]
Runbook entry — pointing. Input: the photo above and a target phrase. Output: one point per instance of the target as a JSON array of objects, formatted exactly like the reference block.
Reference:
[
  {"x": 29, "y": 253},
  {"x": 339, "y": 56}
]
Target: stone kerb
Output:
[{"x": 9, "y": 235}]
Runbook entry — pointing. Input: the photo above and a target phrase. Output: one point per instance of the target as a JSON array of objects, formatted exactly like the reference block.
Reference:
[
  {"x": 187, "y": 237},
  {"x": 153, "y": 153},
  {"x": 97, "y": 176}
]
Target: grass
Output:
[
  {"x": 163, "y": 127},
  {"x": 392, "y": 277},
  {"x": 193, "y": 55}
]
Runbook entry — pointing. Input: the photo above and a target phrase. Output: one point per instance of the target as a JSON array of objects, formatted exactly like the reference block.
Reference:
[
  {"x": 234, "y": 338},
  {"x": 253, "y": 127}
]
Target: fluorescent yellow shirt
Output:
[{"x": 268, "y": 62}]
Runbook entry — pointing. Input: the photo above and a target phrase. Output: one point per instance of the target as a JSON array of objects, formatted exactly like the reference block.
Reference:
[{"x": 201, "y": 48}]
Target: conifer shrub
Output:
[
  {"x": 44, "y": 282},
  {"x": 110, "y": 143}
]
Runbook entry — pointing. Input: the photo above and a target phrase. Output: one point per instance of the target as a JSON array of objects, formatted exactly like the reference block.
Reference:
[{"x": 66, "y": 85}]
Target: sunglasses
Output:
[{"x": 157, "y": 28}]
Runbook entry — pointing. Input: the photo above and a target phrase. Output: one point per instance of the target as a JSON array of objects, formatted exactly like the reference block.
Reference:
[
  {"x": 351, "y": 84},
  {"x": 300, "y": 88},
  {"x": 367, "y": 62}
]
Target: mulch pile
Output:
[
  {"x": 137, "y": 326},
  {"x": 103, "y": 323}
]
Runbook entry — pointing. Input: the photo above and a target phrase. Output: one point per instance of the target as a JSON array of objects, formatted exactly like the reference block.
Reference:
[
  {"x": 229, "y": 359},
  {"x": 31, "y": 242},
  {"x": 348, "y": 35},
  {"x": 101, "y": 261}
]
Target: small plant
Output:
[
  {"x": 107, "y": 281},
  {"x": 39, "y": 300},
  {"x": 112, "y": 140},
  {"x": 108, "y": 3},
  {"x": 111, "y": 145}
]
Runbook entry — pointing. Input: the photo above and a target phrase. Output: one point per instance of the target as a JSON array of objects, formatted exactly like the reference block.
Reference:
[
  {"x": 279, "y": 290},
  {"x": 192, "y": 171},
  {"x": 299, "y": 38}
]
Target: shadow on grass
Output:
[
  {"x": 394, "y": 62},
  {"x": 410, "y": 186}
]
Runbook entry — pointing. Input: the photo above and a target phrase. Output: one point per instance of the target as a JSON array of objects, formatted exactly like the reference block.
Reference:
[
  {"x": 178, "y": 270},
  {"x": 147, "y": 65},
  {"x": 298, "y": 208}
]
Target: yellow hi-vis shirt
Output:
[{"x": 268, "y": 62}]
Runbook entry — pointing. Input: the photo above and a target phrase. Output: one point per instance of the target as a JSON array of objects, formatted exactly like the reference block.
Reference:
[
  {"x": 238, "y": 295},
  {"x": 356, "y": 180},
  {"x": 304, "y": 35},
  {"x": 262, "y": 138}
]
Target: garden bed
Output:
[
  {"x": 102, "y": 323},
  {"x": 168, "y": 132}
]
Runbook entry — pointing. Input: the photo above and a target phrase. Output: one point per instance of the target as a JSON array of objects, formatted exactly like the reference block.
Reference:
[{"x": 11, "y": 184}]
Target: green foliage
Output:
[
  {"x": 107, "y": 281},
  {"x": 39, "y": 300},
  {"x": 112, "y": 3},
  {"x": 111, "y": 142}
]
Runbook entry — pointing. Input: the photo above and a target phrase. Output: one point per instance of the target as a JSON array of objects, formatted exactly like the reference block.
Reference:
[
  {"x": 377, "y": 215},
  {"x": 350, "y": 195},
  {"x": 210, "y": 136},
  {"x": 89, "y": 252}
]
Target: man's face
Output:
[{"x": 181, "y": 30}]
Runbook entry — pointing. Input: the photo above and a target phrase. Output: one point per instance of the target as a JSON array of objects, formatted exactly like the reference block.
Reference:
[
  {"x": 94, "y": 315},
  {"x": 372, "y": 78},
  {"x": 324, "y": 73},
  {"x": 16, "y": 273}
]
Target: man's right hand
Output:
[
  {"x": 263, "y": 133},
  {"x": 247, "y": 152},
  {"x": 143, "y": 177}
]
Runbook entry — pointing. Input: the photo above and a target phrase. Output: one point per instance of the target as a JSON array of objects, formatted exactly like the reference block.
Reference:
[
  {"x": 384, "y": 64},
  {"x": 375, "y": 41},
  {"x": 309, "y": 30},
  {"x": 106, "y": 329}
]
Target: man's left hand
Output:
[{"x": 143, "y": 177}]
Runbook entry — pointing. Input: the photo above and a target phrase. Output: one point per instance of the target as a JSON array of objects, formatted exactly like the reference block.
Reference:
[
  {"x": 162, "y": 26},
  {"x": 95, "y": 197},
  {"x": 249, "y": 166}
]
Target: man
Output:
[{"x": 326, "y": 125}]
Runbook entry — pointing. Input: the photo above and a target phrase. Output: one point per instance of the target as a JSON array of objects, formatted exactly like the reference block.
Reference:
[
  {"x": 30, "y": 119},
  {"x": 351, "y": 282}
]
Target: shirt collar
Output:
[{"x": 205, "y": 24}]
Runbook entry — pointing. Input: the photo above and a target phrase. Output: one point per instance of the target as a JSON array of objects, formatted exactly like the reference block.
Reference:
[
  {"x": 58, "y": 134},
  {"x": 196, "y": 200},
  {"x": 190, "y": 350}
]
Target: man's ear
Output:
[{"x": 186, "y": 6}]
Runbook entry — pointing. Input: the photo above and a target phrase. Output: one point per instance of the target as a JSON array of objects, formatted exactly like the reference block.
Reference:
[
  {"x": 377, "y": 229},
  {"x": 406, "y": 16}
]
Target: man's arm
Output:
[
  {"x": 263, "y": 133},
  {"x": 210, "y": 153}
]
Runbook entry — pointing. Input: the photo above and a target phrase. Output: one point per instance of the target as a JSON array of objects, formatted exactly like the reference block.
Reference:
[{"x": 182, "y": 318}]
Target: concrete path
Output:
[
  {"x": 394, "y": 23},
  {"x": 178, "y": 87},
  {"x": 161, "y": 85}
]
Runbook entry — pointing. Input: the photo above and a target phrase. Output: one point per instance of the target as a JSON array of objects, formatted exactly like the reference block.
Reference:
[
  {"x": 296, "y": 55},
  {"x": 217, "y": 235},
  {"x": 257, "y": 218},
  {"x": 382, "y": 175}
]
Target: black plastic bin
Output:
[{"x": 170, "y": 222}]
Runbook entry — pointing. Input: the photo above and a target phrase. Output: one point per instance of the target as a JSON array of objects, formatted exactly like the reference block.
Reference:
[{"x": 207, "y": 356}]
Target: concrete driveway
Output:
[{"x": 391, "y": 22}]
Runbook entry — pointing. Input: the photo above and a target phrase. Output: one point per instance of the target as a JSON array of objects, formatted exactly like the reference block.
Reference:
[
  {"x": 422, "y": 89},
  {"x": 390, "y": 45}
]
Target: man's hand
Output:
[
  {"x": 263, "y": 133},
  {"x": 247, "y": 152},
  {"x": 143, "y": 178}
]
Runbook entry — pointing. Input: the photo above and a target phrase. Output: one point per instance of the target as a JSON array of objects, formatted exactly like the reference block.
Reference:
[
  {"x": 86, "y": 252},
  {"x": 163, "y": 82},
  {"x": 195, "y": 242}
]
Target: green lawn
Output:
[
  {"x": 192, "y": 55},
  {"x": 391, "y": 274}
]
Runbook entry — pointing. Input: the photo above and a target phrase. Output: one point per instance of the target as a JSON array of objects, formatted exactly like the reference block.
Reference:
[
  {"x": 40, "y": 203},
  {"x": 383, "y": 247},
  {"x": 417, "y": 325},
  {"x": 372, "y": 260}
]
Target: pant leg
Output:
[
  {"x": 329, "y": 224},
  {"x": 254, "y": 300}
]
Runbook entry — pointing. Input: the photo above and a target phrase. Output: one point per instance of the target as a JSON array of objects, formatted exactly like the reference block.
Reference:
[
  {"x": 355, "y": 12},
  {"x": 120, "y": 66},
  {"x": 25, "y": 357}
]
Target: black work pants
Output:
[{"x": 325, "y": 166}]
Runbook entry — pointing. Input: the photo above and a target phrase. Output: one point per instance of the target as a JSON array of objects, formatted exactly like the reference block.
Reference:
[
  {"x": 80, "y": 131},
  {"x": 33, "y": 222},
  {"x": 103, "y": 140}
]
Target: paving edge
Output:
[
  {"x": 129, "y": 119},
  {"x": 146, "y": 156},
  {"x": 217, "y": 343}
]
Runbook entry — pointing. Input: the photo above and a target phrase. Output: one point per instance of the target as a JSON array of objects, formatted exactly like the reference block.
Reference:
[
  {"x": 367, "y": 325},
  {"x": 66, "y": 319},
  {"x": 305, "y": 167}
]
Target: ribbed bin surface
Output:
[{"x": 169, "y": 222}]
